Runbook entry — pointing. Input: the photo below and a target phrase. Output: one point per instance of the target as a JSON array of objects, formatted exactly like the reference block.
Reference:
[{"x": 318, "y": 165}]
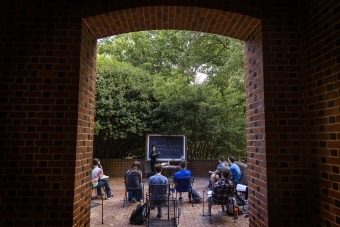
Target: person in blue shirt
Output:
[
  {"x": 157, "y": 180},
  {"x": 216, "y": 175},
  {"x": 235, "y": 172},
  {"x": 183, "y": 172}
]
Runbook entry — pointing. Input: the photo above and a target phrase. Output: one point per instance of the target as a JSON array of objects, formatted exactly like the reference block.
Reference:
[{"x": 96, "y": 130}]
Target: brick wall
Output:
[
  {"x": 321, "y": 54},
  {"x": 47, "y": 66},
  {"x": 256, "y": 146},
  {"x": 118, "y": 167}
]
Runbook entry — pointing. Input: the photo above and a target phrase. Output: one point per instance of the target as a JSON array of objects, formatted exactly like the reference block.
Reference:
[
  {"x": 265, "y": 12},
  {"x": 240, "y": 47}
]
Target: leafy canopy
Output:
[{"x": 147, "y": 83}]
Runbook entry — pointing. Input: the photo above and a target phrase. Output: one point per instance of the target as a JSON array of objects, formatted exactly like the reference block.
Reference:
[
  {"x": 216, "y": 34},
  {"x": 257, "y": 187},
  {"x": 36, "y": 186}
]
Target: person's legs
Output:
[
  {"x": 99, "y": 190},
  {"x": 108, "y": 188},
  {"x": 106, "y": 184},
  {"x": 152, "y": 164},
  {"x": 180, "y": 196},
  {"x": 214, "y": 178},
  {"x": 223, "y": 209}
]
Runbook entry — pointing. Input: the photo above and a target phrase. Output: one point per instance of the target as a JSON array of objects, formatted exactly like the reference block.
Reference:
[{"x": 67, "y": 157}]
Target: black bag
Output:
[
  {"x": 140, "y": 214},
  {"x": 194, "y": 197}
]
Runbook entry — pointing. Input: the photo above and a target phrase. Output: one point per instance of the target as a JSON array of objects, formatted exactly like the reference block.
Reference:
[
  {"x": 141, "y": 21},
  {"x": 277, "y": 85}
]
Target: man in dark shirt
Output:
[
  {"x": 222, "y": 189},
  {"x": 153, "y": 156}
]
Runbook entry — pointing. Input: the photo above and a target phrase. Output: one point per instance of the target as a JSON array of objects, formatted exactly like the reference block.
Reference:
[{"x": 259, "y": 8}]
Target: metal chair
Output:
[
  {"x": 133, "y": 183},
  {"x": 159, "y": 196},
  {"x": 224, "y": 195}
]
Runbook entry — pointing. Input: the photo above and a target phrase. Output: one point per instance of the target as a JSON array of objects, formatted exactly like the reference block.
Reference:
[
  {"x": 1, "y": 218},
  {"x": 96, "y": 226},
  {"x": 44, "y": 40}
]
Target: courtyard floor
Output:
[{"x": 116, "y": 215}]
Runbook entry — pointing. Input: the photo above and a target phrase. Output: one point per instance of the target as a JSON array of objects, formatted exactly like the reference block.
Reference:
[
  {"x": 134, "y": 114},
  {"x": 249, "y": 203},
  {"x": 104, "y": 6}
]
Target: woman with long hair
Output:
[{"x": 135, "y": 170}]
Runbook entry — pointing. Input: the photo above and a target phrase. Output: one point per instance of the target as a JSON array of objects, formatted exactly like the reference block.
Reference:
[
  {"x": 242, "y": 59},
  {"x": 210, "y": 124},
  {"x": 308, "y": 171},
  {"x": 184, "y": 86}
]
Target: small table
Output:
[{"x": 170, "y": 169}]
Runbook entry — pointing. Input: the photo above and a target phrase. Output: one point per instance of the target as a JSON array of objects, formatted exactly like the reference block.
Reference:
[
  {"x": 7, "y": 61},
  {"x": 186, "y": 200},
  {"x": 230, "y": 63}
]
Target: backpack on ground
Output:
[
  {"x": 194, "y": 197},
  {"x": 140, "y": 214}
]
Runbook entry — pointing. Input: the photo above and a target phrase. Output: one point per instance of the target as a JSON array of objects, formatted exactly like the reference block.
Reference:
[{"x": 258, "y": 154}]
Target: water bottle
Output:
[{"x": 236, "y": 211}]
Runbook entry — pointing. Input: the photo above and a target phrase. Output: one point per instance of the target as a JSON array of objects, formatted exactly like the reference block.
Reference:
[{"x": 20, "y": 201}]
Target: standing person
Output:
[
  {"x": 153, "y": 156},
  {"x": 158, "y": 179},
  {"x": 235, "y": 172},
  {"x": 216, "y": 175},
  {"x": 135, "y": 170},
  {"x": 97, "y": 173},
  {"x": 183, "y": 172}
]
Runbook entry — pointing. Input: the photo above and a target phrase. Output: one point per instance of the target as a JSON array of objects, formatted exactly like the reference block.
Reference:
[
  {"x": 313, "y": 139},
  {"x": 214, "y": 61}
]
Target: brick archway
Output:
[
  {"x": 48, "y": 58},
  {"x": 194, "y": 18}
]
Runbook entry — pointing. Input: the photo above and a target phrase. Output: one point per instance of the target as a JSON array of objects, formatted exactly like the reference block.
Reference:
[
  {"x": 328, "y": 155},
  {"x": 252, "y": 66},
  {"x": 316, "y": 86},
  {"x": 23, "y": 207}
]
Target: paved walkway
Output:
[{"x": 116, "y": 215}]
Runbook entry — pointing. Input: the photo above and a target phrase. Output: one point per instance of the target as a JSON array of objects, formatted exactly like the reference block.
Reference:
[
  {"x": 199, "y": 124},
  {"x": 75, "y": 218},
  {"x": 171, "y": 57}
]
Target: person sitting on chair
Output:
[
  {"x": 135, "y": 169},
  {"x": 97, "y": 173},
  {"x": 181, "y": 173},
  {"x": 235, "y": 172},
  {"x": 158, "y": 179},
  {"x": 216, "y": 175},
  {"x": 221, "y": 191}
]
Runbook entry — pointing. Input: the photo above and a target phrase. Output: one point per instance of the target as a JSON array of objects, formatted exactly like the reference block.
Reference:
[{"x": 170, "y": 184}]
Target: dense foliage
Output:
[{"x": 147, "y": 83}]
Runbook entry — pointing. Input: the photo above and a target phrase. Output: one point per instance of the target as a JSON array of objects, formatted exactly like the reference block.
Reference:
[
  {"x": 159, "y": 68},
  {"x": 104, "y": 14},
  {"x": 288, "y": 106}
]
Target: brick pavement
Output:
[{"x": 116, "y": 215}]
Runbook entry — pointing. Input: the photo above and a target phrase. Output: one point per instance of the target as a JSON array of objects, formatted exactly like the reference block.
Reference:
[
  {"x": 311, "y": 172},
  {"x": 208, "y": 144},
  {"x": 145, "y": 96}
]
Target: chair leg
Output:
[
  {"x": 102, "y": 210},
  {"x": 124, "y": 200}
]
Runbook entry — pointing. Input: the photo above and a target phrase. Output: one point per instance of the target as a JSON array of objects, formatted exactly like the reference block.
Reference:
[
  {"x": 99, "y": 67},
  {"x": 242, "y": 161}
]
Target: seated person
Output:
[
  {"x": 97, "y": 173},
  {"x": 216, "y": 175},
  {"x": 181, "y": 173},
  {"x": 235, "y": 172},
  {"x": 220, "y": 192},
  {"x": 135, "y": 170},
  {"x": 157, "y": 180},
  {"x": 99, "y": 165}
]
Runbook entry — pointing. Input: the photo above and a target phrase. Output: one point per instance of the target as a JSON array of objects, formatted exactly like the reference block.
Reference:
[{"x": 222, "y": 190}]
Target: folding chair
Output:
[
  {"x": 159, "y": 196},
  {"x": 133, "y": 183},
  {"x": 226, "y": 195}
]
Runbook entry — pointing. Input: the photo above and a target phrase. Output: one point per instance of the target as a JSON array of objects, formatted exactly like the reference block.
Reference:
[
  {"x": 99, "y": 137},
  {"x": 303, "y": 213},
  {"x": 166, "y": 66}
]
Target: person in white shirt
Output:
[{"x": 97, "y": 173}]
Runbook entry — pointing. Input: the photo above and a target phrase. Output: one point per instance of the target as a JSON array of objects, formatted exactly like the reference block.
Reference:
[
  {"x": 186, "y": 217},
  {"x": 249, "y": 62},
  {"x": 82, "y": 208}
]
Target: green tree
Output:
[
  {"x": 211, "y": 114},
  {"x": 123, "y": 105}
]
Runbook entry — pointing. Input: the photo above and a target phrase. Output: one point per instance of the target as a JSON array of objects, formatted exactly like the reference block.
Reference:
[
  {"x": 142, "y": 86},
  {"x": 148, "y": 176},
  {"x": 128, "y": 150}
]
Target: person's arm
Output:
[{"x": 218, "y": 169}]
